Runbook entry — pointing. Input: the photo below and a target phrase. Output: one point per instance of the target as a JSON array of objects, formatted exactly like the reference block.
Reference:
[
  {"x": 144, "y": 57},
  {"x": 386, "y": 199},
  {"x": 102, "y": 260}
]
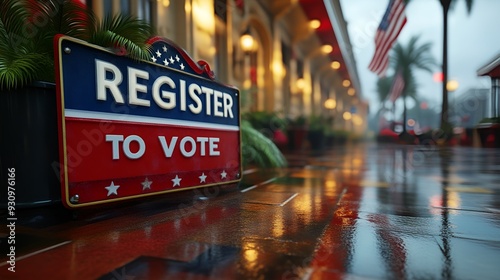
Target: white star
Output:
[
  {"x": 164, "y": 48},
  {"x": 146, "y": 184},
  {"x": 177, "y": 58},
  {"x": 177, "y": 181},
  {"x": 171, "y": 60},
  {"x": 223, "y": 174},
  {"x": 165, "y": 61},
  {"x": 112, "y": 189},
  {"x": 203, "y": 177},
  {"x": 158, "y": 53},
  {"x": 182, "y": 66},
  {"x": 153, "y": 59}
]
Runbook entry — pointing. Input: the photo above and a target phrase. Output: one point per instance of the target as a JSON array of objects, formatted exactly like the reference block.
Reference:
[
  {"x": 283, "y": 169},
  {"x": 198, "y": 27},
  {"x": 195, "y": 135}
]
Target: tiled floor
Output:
[{"x": 362, "y": 211}]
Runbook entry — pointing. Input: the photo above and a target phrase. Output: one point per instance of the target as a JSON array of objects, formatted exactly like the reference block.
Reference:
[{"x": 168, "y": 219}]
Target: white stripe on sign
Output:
[{"x": 142, "y": 119}]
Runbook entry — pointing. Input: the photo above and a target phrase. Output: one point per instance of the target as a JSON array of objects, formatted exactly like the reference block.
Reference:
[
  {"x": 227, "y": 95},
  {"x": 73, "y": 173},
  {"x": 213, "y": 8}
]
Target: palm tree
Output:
[
  {"x": 406, "y": 60},
  {"x": 383, "y": 90},
  {"x": 27, "y": 29},
  {"x": 446, "y": 5}
]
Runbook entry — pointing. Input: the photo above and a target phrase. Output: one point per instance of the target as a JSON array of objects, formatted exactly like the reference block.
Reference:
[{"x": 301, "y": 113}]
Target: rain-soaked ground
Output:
[{"x": 363, "y": 211}]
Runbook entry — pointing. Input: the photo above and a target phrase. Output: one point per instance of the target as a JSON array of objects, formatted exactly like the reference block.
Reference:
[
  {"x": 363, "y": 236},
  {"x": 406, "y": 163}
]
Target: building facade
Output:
[
  {"x": 292, "y": 57},
  {"x": 470, "y": 107}
]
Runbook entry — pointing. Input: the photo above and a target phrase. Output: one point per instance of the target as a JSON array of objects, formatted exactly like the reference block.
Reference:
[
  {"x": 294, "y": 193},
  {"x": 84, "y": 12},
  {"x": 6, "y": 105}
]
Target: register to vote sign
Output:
[{"x": 132, "y": 128}]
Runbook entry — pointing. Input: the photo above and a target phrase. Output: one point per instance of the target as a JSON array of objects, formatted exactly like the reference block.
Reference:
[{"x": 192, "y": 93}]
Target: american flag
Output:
[
  {"x": 398, "y": 84},
  {"x": 392, "y": 23}
]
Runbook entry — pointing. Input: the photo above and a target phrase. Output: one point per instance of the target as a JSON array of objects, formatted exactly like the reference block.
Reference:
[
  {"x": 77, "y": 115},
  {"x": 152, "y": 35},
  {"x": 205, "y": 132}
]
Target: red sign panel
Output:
[{"x": 136, "y": 128}]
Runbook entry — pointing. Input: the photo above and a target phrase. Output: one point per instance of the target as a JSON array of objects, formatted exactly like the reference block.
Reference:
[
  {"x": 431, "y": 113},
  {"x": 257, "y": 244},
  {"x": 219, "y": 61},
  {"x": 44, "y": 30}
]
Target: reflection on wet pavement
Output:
[{"x": 360, "y": 211}]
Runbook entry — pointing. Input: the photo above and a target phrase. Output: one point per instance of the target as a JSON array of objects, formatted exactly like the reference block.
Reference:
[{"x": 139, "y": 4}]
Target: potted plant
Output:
[
  {"x": 489, "y": 132},
  {"x": 316, "y": 134},
  {"x": 341, "y": 136},
  {"x": 257, "y": 149},
  {"x": 296, "y": 132},
  {"x": 270, "y": 125},
  {"x": 28, "y": 114}
]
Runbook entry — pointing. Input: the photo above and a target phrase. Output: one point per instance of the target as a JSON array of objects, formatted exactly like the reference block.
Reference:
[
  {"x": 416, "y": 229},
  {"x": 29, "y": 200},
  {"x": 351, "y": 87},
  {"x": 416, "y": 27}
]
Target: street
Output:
[{"x": 357, "y": 211}]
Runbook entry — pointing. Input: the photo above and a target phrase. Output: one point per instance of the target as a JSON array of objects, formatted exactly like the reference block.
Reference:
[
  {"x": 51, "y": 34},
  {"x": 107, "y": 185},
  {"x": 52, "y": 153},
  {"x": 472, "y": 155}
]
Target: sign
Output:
[
  {"x": 353, "y": 109},
  {"x": 132, "y": 128}
]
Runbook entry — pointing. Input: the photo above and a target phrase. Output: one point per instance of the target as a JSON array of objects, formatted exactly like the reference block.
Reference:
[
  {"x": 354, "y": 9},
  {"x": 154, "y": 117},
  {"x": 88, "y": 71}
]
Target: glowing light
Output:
[
  {"x": 203, "y": 15},
  {"x": 330, "y": 103},
  {"x": 247, "y": 43},
  {"x": 331, "y": 184},
  {"x": 335, "y": 65},
  {"x": 301, "y": 84},
  {"x": 438, "y": 77},
  {"x": 346, "y": 83},
  {"x": 347, "y": 116},
  {"x": 251, "y": 255},
  {"x": 357, "y": 120},
  {"x": 351, "y": 91},
  {"x": 451, "y": 85},
  {"x": 326, "y": 49},
  {"x": 278, "y": 69},
  {"x": 314, "y": 24}
]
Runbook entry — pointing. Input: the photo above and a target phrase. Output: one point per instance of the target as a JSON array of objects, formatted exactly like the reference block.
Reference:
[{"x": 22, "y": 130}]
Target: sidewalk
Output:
[{"x": 363, "y": 211}]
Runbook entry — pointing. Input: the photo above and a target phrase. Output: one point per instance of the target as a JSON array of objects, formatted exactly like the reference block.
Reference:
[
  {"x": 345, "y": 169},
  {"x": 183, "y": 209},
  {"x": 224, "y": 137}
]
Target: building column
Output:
[{"x": 495, "y": 97}]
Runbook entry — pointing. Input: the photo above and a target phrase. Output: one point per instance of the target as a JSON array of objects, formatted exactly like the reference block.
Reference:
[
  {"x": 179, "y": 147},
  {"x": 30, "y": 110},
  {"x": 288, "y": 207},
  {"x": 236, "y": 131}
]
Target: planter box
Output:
[
  {"x": 296, "y": 138},
  {"x": 29, "y": 143},
  {"x": 316, "y": 140}
]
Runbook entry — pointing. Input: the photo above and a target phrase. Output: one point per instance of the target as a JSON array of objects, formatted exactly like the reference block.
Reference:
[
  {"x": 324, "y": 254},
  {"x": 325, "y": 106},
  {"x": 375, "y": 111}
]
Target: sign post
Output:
[{"x": 130, "y": 128}]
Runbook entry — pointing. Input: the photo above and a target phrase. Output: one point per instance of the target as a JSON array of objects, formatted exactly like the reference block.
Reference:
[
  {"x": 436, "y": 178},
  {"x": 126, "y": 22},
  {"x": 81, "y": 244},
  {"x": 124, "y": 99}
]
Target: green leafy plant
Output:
[
  {"x": 341, "y": 135},
  {"x": 27, "y": 30},
  {"x": 261, "y": 120},
  {"x": 300, "y": 121},
  {"x": 258, "y": 149},
  {"x": 319, "y": 123}
]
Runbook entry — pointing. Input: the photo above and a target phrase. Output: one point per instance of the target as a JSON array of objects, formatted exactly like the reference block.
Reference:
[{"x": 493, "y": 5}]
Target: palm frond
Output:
[
  {"x": 468, "y": 4},
  {"x": 28, "y": 27},
  {"x": 413, "y": 56},
  {"x": 76, "y": 20},
  {"x": 452, "y": 3},
  {"x": 409, "y": 58},
  {"x": 258, "y": 149},
  {"x": 13, "y": 18},
  {"x": 50, "y": 17},
  {"x": 383, "y": 88},
  {"x": 20, "y": 70},
  {"x": 122, "y": 31}
]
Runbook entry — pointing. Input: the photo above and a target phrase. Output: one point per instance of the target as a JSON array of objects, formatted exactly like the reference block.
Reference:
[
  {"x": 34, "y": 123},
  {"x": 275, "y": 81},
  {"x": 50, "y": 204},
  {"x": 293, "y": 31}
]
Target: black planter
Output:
[
  {"x": 29, "y": 144},
  {"x": 296, "y": 137},
  {"x": 487, "y": 130},
  {"x": 316, "y": 140}
]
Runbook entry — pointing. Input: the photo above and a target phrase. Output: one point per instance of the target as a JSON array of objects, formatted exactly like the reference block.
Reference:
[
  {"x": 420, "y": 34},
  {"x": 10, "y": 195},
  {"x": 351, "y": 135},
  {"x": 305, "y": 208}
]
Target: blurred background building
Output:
[
  {"x": 470, "y": 107},
  {"x": 292, "y": 57}
]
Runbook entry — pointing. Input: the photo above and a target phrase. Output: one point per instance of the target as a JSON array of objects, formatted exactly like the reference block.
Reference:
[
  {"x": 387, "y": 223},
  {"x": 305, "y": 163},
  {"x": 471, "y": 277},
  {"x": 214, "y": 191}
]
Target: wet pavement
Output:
[{"x": 363, "y": 211}]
